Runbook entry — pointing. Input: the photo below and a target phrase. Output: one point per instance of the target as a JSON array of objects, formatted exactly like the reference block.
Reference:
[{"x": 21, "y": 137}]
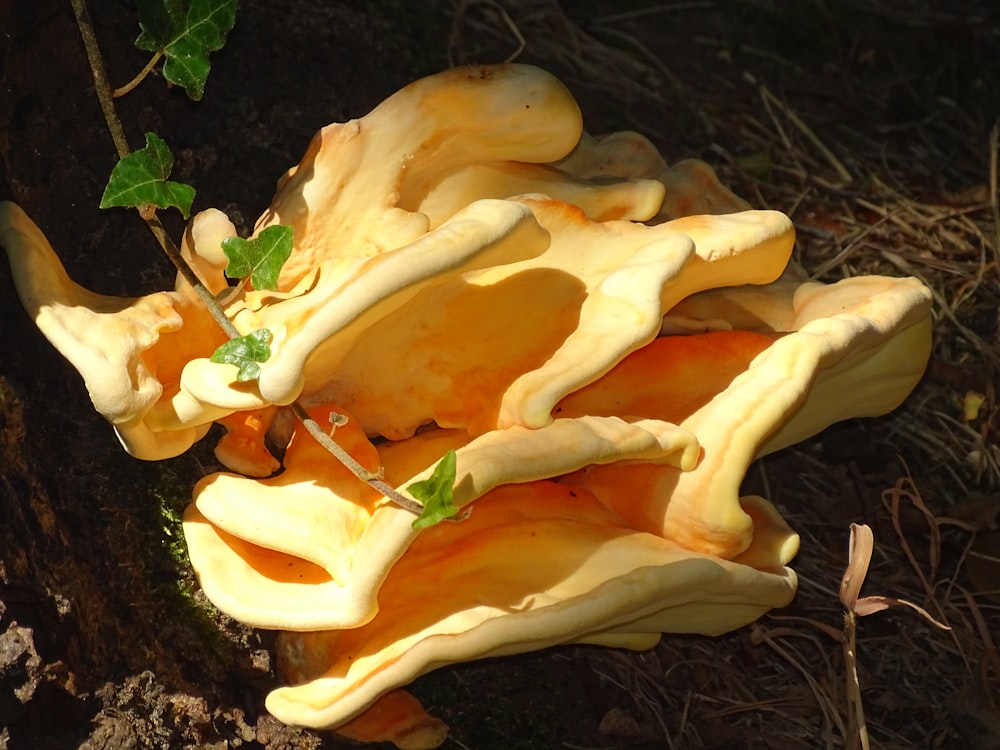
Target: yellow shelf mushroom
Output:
[{"x": 606, "y": 342}]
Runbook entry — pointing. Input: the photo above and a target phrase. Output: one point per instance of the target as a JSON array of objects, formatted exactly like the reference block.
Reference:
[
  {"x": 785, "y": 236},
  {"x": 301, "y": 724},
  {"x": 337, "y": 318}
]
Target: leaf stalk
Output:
[{"x": 139, "y": 77}]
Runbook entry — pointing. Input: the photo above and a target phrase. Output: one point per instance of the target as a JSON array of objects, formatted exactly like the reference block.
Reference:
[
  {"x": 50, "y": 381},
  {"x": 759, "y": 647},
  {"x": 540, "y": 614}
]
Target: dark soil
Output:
[{"x": 105, "y": 640}]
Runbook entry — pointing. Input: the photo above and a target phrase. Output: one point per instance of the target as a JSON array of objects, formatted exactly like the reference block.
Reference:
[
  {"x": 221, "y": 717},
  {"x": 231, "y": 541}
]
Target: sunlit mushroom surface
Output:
[{"x": 607, "y": 343}]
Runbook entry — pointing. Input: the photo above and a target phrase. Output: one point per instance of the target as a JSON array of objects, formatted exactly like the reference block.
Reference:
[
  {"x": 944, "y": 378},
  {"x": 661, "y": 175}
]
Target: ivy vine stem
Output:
[
  {"x": 206, "y": 297},
  {"x": 372, "y": 478},
  {"x": 106, "y": 97},
  {"x": 101, "y": 82}
]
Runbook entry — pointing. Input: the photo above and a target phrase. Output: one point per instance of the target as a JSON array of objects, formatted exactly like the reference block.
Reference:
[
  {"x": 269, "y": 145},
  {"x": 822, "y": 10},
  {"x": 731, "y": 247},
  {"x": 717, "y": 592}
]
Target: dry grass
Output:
[{"x": 876, "y": 145}]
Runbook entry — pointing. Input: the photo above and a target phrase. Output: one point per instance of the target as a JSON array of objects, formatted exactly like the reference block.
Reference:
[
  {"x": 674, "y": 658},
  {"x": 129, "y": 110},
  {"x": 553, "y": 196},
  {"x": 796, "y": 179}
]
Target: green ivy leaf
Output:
[
  {"x": 141, "y": 178},
  {"x": 246, "y": 352},
  {"x": 435, "y": 493},
  {"x": 185, "y": 31},
  {"x": 260, "y": 257}
]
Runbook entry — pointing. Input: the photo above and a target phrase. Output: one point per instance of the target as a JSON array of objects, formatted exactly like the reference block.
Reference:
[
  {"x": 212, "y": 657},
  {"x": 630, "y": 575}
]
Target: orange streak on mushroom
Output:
[
  {"x": 536, "y": 564},
  {"x": 459, "y": 355},
  {"x": 399, "y": 718},
  {"x": 242, "y": 448},
  {"x": 668, "y": 379}
]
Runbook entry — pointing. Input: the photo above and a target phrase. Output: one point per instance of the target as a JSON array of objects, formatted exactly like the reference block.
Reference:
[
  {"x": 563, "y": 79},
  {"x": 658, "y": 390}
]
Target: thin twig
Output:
[
  {"x": 832, "y": 160},
  {"x": 139, "y": 77},
  {"x": 823, "y": 700},
  {"x": 857, "y": 727},
  {"x": 633, "y": 15},
  {"x": 374, "y": 479},
  {"x": 457, "y": 40},
  {"x": 854, "y": 245},
  {"x": 230, "y": 295},
  {"x": 985, "y": 350},
  {"x": 206, "y": 297},
  {"x": 995, "y": 191}
]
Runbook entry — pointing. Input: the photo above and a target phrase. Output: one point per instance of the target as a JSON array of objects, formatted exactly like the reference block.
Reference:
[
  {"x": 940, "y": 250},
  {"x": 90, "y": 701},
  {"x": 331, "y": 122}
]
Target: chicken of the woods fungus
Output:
[{"x": 606, "y": 341}]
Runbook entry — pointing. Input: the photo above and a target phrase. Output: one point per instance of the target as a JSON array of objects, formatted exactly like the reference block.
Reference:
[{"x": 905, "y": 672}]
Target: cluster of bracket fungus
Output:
[{"x": 605, "y": 341}]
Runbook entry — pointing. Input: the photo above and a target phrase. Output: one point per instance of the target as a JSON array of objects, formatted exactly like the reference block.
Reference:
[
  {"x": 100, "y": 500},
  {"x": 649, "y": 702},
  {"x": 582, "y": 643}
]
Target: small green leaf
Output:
[
  {"x": 141, "y": 178},
  {"x": 436, "y": 493},
  {"x": 246, "y": 352},
  {"x": 186, "y": 31},
  {"x": 260, "y": 257}
]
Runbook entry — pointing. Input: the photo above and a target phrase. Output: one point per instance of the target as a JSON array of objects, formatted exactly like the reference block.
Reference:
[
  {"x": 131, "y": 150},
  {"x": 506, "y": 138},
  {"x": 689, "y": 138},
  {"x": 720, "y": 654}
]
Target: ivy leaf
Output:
[
  {"x": 185, "y": 31},
  {"x": 260, "y": 257},
  {"x": 435, "y": 493},
  {"x": 141, "y": 178},
  {"x": 246, "y": 352}
]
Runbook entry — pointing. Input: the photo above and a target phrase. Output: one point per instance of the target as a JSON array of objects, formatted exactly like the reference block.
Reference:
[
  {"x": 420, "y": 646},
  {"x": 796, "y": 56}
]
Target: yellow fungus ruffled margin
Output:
[{"x": 606, "y": 342}]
